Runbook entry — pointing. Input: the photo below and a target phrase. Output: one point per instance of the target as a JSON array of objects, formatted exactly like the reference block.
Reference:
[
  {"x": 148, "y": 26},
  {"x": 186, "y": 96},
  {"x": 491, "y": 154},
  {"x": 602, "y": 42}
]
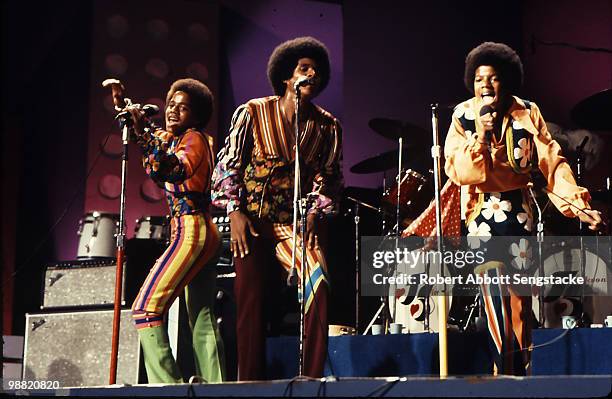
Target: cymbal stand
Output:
[
  {"x": 540, "y": 238},
  {"x": 579, "y": 160},
  {"x": 357, "y": 220},
  {"x": 397, "y": 212},
  {"x": 382, "y": 217},
  {"x": 357, "y": 263}
]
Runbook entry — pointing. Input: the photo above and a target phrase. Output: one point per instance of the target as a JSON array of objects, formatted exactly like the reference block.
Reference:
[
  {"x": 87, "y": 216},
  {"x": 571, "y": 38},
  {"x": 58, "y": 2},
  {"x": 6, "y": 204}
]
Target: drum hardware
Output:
[
  {"x": 471, "y": 319},
  {"x": 393, "y": 200},
  {"x": 593, "y": 113},
  {"x": 415, "y": 194}
]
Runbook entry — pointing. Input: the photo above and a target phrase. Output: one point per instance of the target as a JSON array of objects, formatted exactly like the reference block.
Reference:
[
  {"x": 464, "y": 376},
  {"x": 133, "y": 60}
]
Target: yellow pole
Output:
[{"x": 442, "y": 336}]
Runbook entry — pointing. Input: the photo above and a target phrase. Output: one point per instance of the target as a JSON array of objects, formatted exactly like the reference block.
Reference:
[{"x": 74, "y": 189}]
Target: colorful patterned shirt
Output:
[
  {"x": 182, "y": 165},
  {"x": 506, "y": 165},
  {"x": 255, "y": 169}
]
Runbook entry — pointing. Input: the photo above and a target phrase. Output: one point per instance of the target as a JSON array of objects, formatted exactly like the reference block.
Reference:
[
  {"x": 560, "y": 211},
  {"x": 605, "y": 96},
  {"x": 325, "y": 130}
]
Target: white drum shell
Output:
[
  {"x": 97, "y": 232},
  {"x": 152, "y": 228},
  {"x": 412, "y": 315}
]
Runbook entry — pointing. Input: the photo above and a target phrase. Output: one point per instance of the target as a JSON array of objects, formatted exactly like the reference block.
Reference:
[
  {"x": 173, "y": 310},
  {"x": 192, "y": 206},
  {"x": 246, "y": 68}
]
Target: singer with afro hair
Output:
[
  {"x": 284, "y": 58},
  {"x": 505, "y": 61},
  {"x": 200, "y": 96},
  {"x": 179, "y": 158},
  {"x": 495, "y": 141},
  {"x": 254, "y": 181}
]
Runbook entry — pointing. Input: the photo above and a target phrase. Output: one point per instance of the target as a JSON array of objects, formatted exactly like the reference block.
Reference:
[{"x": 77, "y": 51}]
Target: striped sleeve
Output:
[
  {"x": 228, "y": 175},
  {"x": 328, "y": 182}
]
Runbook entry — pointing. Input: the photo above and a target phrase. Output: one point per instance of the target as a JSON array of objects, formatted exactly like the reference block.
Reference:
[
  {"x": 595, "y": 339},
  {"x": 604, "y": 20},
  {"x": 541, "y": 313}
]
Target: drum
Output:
[
  {"x": 562, "y": 301},
  {"x": 97, "y": 232},
  {"x": 415, "y": 195},
  {"x": 153, "y": 228},
  {"x": 409, "y": 305}
]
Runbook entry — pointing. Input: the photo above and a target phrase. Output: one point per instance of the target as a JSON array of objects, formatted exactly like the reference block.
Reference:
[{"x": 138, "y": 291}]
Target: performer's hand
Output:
[
  {"x": 238, "y": 239},
  {"x": 591, "y": 217},
  {"x": 312, "y": 238},
  {"x": 137, "y": 120},
  {"x": 488, "y": 122}
]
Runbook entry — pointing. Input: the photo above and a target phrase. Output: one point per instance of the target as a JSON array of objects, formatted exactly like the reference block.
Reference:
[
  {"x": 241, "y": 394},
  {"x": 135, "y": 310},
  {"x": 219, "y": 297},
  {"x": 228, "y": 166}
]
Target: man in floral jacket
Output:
[
  {"x": 495, "y": 140},
  {"x": 254, "y": 182}
]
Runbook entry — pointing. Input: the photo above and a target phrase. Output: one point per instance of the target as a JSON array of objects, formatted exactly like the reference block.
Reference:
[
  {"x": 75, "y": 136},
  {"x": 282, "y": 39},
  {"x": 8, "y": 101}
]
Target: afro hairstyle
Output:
[
  {"x": 285, "y": 57},
  {"x": 200, "y": 96},
  {"x": 500, "y": 56}
]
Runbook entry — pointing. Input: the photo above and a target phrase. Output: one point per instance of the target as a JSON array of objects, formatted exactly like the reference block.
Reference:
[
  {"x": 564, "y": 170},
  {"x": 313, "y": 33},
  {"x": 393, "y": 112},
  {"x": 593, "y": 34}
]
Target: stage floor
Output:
[
  {"x": 473, "y": 386},
  {"x": 565, "y": 363}
]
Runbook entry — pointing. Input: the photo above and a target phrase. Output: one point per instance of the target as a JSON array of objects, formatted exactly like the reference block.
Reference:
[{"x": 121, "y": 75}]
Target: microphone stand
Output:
[
  {"x": 442, "y": 300},
  {"x": 540, "y": 238},
  {"x": 297, "y": 207},
  {"x": 120, "y": 256}
]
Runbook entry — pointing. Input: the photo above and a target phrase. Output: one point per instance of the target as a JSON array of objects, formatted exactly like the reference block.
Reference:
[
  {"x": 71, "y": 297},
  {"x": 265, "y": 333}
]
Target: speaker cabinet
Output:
[
  {"x": 81, "y": 283},
  {"x": 74, "y": 348}
]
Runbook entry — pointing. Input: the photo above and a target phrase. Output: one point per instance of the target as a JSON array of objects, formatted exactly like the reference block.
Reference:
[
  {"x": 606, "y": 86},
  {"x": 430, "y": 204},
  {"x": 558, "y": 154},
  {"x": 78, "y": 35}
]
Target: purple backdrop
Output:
[{"x": 389, "y": 59}]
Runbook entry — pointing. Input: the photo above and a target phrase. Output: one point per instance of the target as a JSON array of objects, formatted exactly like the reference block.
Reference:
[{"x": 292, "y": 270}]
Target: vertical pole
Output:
[
  {"x": 442, "y": 302},
  {"x": 120, "y": 261}
]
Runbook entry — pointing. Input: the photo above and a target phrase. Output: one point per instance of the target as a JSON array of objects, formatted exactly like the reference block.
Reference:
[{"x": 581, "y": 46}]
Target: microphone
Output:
[
  {"x": 148, "y": 109},
  {"x": 486, "y": 109},
  {"x": 303, "y": 81}
]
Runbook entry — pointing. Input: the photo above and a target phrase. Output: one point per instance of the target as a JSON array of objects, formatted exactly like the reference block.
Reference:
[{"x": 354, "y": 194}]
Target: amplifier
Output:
[
  {"x": 81, "y": 283},
  {"x": 223, "y": 223},
  {"x": 225, "y": 263},
  {"x": 74, "y": 348}
]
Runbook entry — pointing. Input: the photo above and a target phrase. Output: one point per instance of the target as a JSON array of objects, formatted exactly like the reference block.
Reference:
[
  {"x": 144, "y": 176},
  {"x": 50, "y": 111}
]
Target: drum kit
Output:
[
  {"x": 411, "y": 191},
  {"x": 98, "y": 231}
]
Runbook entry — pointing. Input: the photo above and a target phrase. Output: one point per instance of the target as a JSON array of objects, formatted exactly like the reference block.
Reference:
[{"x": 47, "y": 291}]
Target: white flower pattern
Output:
[
  {"x": 525, "y": 217},
  {"x": 496, "y": 208},
  {"x": 477, "y": 233},
  {"x": 521, "y": 253},
  {"x": 523, "y": 151},
  {"x": 516, "y": 125}
]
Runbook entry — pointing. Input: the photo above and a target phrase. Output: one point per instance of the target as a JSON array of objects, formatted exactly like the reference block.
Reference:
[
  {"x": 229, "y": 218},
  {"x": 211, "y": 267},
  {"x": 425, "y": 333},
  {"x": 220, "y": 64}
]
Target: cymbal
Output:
[
  {"x": 394, "y": 129},
  {"x": 593, "y": 112},
  {"x": 385, "y": 161}
]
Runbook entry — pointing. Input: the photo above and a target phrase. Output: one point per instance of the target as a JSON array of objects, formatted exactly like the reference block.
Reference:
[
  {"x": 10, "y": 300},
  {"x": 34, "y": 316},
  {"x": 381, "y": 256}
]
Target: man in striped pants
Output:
[
  {"x": 254, "y": 181},
  {"x": 180, "y": 158}
]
